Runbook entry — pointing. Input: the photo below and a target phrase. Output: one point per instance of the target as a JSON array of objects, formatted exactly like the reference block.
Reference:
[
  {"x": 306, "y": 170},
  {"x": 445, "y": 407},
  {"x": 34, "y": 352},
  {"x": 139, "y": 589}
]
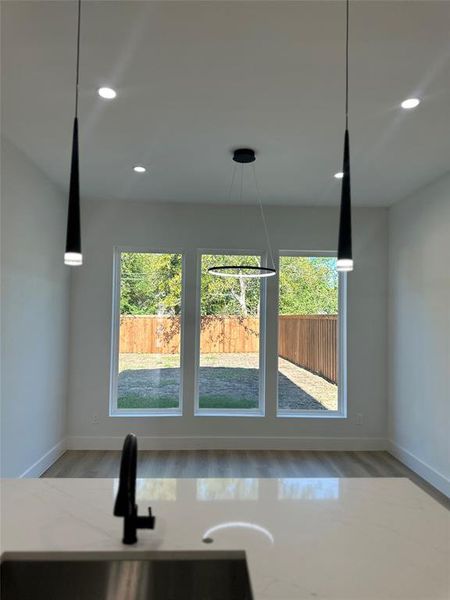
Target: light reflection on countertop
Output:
[
  {"x": 235, "y": 488},
  {"x": 157, "y": 489},
  {"x": 227, "y": 489},
  {"x": 308, "y": 488},
  {"x": 210, "y": 533}
]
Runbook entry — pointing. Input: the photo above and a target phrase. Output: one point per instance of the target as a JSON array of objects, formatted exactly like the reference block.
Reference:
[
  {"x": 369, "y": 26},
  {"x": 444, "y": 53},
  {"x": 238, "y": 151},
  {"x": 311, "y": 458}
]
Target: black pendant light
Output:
[
  {"x": 244, "y": 156},
  {"x": 345, "y": 256},
  {"x": 73, "y": 254}
]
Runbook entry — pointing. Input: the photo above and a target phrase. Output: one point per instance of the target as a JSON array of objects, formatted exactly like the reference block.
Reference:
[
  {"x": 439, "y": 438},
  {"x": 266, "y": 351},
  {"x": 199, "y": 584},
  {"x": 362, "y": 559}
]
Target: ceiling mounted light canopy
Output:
[
  {"x": 73, "y": 255},
  {"x": 245, "y": 156},
  {"x": 345, "y": 256}
]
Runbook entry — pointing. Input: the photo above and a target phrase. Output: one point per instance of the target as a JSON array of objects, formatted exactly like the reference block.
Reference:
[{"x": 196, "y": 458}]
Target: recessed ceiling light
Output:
[
  {"x": 339, "y": 175},
  {"x": 139, "y": 169},
  {"x": 410, "y": 103},
  {"x": 107, "y": 93}
]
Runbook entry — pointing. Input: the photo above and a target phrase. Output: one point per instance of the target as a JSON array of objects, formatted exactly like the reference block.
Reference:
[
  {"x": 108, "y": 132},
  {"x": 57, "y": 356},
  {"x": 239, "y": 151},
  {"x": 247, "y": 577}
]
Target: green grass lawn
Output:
[
  {"x": 226, "y": 402},
  {"x": 226, "y": 381},
  {"x": 221, "y": 402},
  {"x": 133, "y": 401}
]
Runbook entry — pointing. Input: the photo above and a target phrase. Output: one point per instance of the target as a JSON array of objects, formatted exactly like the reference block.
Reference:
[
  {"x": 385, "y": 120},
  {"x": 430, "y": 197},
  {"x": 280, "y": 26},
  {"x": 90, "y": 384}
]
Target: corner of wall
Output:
[{"x": 46, "y": 461}]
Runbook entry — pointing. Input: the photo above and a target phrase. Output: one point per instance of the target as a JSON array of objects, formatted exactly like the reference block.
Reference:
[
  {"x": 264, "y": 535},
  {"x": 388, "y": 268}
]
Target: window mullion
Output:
[
  {"x": 271, "y": 343},
  {"x": 189, "y": 319}
]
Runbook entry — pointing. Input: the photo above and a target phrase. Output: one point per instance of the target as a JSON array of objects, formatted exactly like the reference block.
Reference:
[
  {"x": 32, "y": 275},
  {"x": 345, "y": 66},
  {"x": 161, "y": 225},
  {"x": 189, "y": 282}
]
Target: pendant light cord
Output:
[
  {"x": 241, "y": 192},
  {"x": 263, "y": 219},
  {"x": 78, "y": 60},
  {"x": 230, "y": 191},
  {"x": 346, "y": 65}
]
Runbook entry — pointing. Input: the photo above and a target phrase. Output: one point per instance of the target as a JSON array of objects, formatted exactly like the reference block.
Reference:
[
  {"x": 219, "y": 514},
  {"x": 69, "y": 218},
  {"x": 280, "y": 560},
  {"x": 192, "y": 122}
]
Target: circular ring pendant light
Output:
[
  {"x": 248, "y": 271},
  {"x": 245, "y": 156}
]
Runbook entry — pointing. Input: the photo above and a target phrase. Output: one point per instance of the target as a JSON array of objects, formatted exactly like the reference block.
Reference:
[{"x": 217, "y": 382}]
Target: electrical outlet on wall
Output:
[
  {"x": 95, "y": 419},
  {"x": 359, "y": 418}
]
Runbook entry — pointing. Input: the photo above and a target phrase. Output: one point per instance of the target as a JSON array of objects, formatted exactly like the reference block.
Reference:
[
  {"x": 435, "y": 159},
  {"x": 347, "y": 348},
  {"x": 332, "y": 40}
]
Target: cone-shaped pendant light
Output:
[
  {"x": 345, "y": 256},
  {"x": 73, "y": 254}
]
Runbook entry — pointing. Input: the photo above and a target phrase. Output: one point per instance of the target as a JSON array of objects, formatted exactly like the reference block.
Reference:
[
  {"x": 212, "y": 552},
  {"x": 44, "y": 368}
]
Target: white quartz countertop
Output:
[{"x": 321, "y": 538}]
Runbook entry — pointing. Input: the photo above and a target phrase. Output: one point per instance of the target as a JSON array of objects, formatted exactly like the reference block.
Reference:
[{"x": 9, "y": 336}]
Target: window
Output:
[
  {"x": 147, "y": 360},
  {"x": 229, "y": 374},
  {"x": 311, "y": 313},
  {"x": 228, "y": 340}
]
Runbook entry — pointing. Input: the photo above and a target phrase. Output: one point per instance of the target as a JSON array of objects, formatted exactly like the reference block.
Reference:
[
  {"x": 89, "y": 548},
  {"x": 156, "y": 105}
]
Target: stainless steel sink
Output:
[{"x": 159, "y": 576}]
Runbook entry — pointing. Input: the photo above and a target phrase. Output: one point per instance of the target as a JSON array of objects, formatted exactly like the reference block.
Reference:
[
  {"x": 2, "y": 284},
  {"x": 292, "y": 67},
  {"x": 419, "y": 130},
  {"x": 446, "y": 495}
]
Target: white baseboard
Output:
[
  {"x": 227, "y": 443},
  {"x": 46, "y": 461},
  {"x": 422, "y": 469}
]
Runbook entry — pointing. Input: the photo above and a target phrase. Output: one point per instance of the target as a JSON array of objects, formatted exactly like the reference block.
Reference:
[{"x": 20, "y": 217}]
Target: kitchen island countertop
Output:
[{"x": 321, "y": 538}]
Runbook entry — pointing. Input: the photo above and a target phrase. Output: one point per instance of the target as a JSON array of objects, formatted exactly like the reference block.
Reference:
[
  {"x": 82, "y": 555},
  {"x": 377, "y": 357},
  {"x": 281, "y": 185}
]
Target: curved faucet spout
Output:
[
  {"x": 125, "y": 505},
  {"x": 126, "y": 496}
]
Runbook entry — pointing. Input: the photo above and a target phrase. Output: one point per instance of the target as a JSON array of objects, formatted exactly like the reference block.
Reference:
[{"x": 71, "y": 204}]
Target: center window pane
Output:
[{"x": 229, "y": 368}]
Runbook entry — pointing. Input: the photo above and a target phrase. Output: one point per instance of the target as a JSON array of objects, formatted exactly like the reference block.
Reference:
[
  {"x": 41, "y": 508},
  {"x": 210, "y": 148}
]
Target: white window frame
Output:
[
  {"x": 114, "y": 411},
  {"x": 341, "y": 412},
  {"x": 242, "y": 412}
]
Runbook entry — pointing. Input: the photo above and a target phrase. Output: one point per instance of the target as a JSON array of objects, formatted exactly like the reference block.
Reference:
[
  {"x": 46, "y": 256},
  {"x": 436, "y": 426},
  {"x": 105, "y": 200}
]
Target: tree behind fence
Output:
[{"x": 309, "y": 341}]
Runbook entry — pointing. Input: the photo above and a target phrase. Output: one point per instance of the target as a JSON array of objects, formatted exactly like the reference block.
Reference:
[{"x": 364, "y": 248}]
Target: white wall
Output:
[
  {"x": 198, "y": 226},
  {"x": 34, "y": 317},
  {"x": 419, "y": 332}
]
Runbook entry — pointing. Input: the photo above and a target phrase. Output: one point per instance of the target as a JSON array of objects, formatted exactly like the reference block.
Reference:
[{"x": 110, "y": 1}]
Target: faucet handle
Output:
[{"x": 146, "y": 522}]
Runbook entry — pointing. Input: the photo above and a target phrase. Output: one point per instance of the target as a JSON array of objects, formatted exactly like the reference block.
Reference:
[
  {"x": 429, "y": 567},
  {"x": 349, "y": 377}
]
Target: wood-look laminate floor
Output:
[{"x": 240, "y": 463}]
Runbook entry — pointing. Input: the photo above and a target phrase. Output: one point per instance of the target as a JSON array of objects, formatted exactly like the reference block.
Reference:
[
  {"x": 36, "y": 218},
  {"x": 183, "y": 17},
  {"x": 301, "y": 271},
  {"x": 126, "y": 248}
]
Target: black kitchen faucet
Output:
[{"x": 125, "y": 505}]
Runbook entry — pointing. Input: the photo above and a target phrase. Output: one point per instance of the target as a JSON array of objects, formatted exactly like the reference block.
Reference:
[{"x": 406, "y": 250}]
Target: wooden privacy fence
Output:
[
  {"x": 161, "y": 335},
  {"x": 149, "y": 334},
  {"x": 309, "y": 341}
]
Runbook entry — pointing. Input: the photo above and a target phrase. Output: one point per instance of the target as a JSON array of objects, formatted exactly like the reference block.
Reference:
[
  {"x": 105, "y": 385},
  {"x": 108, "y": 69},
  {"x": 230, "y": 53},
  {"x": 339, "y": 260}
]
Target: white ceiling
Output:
[{"x": 196, "y": 79}]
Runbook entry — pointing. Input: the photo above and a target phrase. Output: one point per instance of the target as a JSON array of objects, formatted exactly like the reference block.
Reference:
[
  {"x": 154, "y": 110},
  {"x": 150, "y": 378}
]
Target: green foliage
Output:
[
  {"x": 229, "y": 295},
  {"x": 151, "y": 285},
  {"x": 308, "y": 286}
]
